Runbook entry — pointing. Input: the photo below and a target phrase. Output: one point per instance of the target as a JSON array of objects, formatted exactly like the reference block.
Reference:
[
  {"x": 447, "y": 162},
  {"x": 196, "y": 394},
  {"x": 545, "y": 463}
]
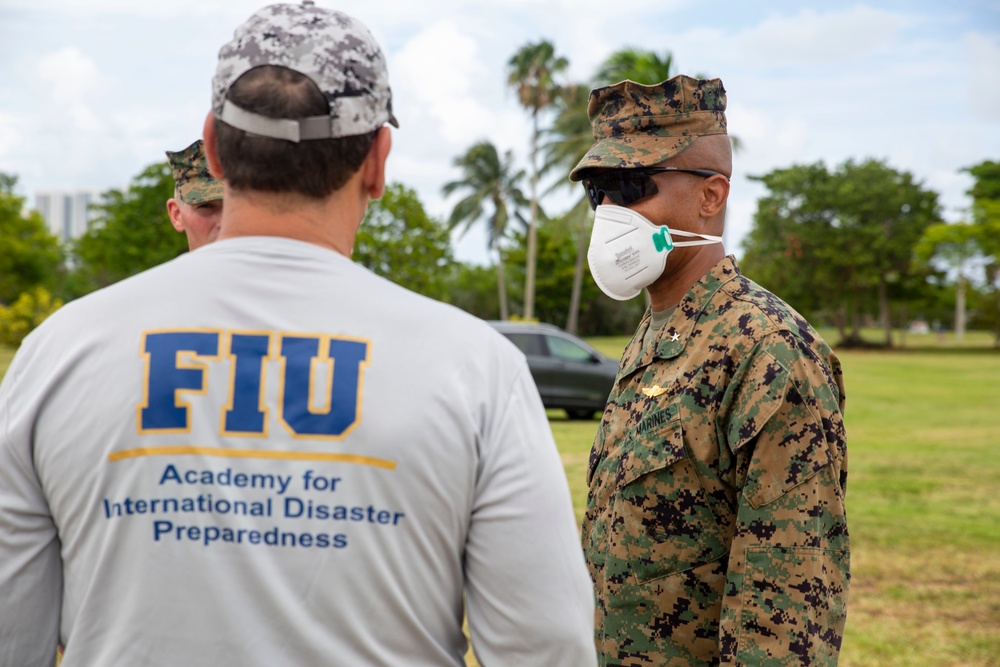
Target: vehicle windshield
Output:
[{"x": 567, "y": 349}]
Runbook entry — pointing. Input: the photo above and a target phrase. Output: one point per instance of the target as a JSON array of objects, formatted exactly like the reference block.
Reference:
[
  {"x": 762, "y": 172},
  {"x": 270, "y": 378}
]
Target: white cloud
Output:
[
  {"x": 70, "y": 77},
  {"x": 984, "y": 75},
  {"x": 791, "y": 137},
  {"x": 813, "y": 37},
  {"x": 153, "y": 10},
  {"x": 11, "y": 132},
  {"x": 768, "y": 139},
  {"x": 952, "y": 186},
  {"x": 71, "y": 72},
  {"x": 440, "y": 56},
  {"x": 426, "y": 174},
  {"x": 147, "y": 132},
  {"x": 434, "y": 74}
]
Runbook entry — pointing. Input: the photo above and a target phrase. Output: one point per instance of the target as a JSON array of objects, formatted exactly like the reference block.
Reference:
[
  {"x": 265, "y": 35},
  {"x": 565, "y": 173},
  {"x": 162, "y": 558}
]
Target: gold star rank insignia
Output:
[{"x": 654, "y": 391}]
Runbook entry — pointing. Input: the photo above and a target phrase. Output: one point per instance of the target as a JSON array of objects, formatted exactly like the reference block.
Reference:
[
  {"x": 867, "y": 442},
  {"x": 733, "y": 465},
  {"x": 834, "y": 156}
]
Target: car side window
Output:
[
  {"x": 567, "y": 349},
  {"x": 531, "y": 344}
]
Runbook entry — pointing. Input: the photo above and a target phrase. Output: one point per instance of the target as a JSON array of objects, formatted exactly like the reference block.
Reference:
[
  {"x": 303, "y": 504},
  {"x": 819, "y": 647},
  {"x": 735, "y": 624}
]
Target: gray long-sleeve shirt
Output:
[{"x": 261, "y": 453}]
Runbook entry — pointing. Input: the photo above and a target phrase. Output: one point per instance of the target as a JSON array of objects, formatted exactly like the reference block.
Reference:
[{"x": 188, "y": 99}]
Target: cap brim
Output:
[
  {"x": 630, "y": 151},
  {"x": 200, "y": 193}
]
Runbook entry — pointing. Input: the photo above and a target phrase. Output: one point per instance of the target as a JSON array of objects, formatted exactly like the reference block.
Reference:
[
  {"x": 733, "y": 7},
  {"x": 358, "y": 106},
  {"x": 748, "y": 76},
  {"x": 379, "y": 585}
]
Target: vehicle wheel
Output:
[{"x": 580, "y": 413}]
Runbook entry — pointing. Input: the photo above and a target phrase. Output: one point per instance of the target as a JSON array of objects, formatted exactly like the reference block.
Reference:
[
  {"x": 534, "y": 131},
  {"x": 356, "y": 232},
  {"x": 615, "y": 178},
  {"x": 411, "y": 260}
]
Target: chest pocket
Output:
[{"x": 664, "y": 523}]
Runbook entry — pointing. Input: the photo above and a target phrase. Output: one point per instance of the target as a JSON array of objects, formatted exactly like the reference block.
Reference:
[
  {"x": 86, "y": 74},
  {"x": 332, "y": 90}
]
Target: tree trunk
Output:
[
  {"x": 840, "y": 321},
  {"x": 905, "y": 319},
  {"x": 960, "y": 308},
  {"x": 855, "y": 323},
  {"x": 996, "y": 321},
  {"x": 993, "y": 279},
  {"x": 529, "y": 281},
  {"x": 573, "y": 317},
  {"x": 502, "y": 287},
  {"x": 884, "y": 314}
]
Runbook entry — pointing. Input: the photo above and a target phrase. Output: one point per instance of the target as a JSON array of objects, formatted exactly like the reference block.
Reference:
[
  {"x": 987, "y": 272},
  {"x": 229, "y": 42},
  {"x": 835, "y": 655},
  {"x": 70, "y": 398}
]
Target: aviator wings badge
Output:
[{"x": 654, "y": 391}]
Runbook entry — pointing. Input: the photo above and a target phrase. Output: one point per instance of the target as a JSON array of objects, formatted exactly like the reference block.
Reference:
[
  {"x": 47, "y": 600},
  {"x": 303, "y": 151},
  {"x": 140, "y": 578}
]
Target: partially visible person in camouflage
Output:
[
  {"x": 715, "y": 529},
  {"x": 196, "y": 207}
]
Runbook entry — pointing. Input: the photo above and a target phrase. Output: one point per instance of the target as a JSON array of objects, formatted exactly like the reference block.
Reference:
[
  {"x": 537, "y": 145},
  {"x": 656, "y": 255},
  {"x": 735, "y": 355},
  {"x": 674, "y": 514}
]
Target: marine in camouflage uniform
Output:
[
  {"x": 196, "y": 207},
  {"x": 715, "y": 530},
  {"x": 193, "y": 182}
]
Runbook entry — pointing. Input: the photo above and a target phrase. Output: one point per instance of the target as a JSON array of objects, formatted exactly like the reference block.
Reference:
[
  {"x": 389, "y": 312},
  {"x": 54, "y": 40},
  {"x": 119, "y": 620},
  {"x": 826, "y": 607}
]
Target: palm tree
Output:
[
  {"x": 531, "y": 72},
  {"x": 573, "y": 138},
  {"x": 488, "y": 178},
  {"x": 645, "y": 67}
]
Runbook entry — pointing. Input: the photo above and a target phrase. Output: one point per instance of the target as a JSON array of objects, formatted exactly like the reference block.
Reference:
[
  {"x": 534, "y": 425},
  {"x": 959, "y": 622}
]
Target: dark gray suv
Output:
[{"x": 570, "y": 375}]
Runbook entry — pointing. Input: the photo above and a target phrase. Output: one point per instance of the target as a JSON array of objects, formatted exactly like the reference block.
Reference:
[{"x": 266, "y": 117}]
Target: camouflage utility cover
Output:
[
  {"x": 640, "y": 126},
  {"x": 715, "y": 529},
  {"x": 194, "y": 184},
  {"x": 333, "y": 49}
]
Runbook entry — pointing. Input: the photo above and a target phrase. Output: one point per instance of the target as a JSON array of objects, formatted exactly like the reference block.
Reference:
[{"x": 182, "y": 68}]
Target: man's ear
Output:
[
  {"x": 174, "y": 211},
  {"x": 211, "y": 155},
  {"x": 374, "y": 164},
  {"x": 714, "y": 193}
]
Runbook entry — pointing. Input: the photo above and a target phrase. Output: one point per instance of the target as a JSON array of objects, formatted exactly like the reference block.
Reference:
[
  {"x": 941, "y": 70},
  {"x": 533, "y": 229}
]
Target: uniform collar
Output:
[{"x": 677, "y": 330}]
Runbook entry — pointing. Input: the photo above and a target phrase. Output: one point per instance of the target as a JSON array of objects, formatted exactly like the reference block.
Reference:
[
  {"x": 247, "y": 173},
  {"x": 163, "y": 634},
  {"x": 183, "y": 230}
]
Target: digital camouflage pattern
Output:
[
  {"x": 715, "y": 529},
  {"x": 640, "y": 126},
  {"x": 333, "y": 49},
  {"x": 194, "y": 184}
]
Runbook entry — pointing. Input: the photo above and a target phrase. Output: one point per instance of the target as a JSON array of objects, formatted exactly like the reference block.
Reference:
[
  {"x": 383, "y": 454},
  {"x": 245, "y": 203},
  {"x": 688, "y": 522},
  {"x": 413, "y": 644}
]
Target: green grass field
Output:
[{"x": 923, "y": 500}]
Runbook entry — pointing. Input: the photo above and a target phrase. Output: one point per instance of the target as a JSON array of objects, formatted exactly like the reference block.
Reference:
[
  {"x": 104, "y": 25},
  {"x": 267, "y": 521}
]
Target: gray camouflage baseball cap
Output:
[{"x": 336, "y": 51}]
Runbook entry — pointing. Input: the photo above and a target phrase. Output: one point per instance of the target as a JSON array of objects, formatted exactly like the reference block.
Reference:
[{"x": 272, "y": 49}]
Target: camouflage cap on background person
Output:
[
  {"x": 193, "y": 182},
  {"x": 639, "y": 126},
  {"x": 336, "y": 51}
]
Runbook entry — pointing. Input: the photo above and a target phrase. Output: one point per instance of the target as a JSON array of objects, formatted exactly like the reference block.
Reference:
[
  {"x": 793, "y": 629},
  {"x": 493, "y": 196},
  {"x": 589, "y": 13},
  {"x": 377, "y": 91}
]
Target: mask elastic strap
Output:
[
  {"x": 685, "y": 244},
  {"x": 708, "y": 238}
]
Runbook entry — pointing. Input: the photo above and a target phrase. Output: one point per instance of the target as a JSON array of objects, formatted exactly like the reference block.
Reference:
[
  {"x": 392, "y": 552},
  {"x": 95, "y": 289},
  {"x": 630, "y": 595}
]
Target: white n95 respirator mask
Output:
[{"x": 628, "y": 252}]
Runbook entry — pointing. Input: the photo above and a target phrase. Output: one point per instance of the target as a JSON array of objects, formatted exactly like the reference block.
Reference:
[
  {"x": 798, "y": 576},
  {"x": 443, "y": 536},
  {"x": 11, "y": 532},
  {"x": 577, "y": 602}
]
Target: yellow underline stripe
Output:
[{"x": 251, "y": 454}]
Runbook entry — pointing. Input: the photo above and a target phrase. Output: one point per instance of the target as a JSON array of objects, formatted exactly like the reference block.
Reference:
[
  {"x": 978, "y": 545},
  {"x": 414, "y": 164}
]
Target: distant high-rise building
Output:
[{"x": 67, "y": 213}]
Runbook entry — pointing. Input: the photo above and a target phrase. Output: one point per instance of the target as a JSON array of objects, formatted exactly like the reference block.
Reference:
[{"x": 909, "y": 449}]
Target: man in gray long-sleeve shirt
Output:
[{"x": 261, "y": 453}]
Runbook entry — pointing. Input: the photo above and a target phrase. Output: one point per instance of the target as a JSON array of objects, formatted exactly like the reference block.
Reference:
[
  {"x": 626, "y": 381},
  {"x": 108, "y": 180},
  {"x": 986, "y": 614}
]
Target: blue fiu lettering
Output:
[
  {"x": 341, "y": 411},
  {"x": 246, "y": 414},
  {"x": 320, "y": 382},
  {"x": 170, "y": 370}
]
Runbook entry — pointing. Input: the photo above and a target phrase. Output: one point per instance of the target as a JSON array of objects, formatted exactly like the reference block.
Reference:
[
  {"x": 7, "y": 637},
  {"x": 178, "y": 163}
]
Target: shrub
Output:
[{"x": 27, "y": 312}]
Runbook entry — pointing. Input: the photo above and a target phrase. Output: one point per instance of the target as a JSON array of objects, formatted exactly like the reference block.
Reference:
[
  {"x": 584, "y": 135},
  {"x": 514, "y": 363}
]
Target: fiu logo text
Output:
[{"x": 177, "y": 368}]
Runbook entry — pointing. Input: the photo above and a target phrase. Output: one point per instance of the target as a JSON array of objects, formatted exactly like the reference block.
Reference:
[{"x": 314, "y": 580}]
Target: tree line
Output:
[
  {"x": 867, "y": 242},
  {"x": 858, "y": 243}
]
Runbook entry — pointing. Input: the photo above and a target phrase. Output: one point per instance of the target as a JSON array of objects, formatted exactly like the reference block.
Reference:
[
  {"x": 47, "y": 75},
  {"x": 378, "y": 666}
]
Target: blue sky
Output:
[{"x": 93, "y": 91}]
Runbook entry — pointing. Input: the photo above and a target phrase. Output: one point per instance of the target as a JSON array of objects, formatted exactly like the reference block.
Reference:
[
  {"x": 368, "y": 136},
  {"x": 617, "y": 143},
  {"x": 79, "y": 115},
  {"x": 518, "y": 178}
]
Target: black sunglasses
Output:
[{"x": 627, "y": 186}]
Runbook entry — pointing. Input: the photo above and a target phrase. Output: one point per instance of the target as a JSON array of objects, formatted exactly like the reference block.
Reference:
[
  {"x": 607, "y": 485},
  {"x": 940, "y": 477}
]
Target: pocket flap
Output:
[{"x": 655, "y": 449}]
